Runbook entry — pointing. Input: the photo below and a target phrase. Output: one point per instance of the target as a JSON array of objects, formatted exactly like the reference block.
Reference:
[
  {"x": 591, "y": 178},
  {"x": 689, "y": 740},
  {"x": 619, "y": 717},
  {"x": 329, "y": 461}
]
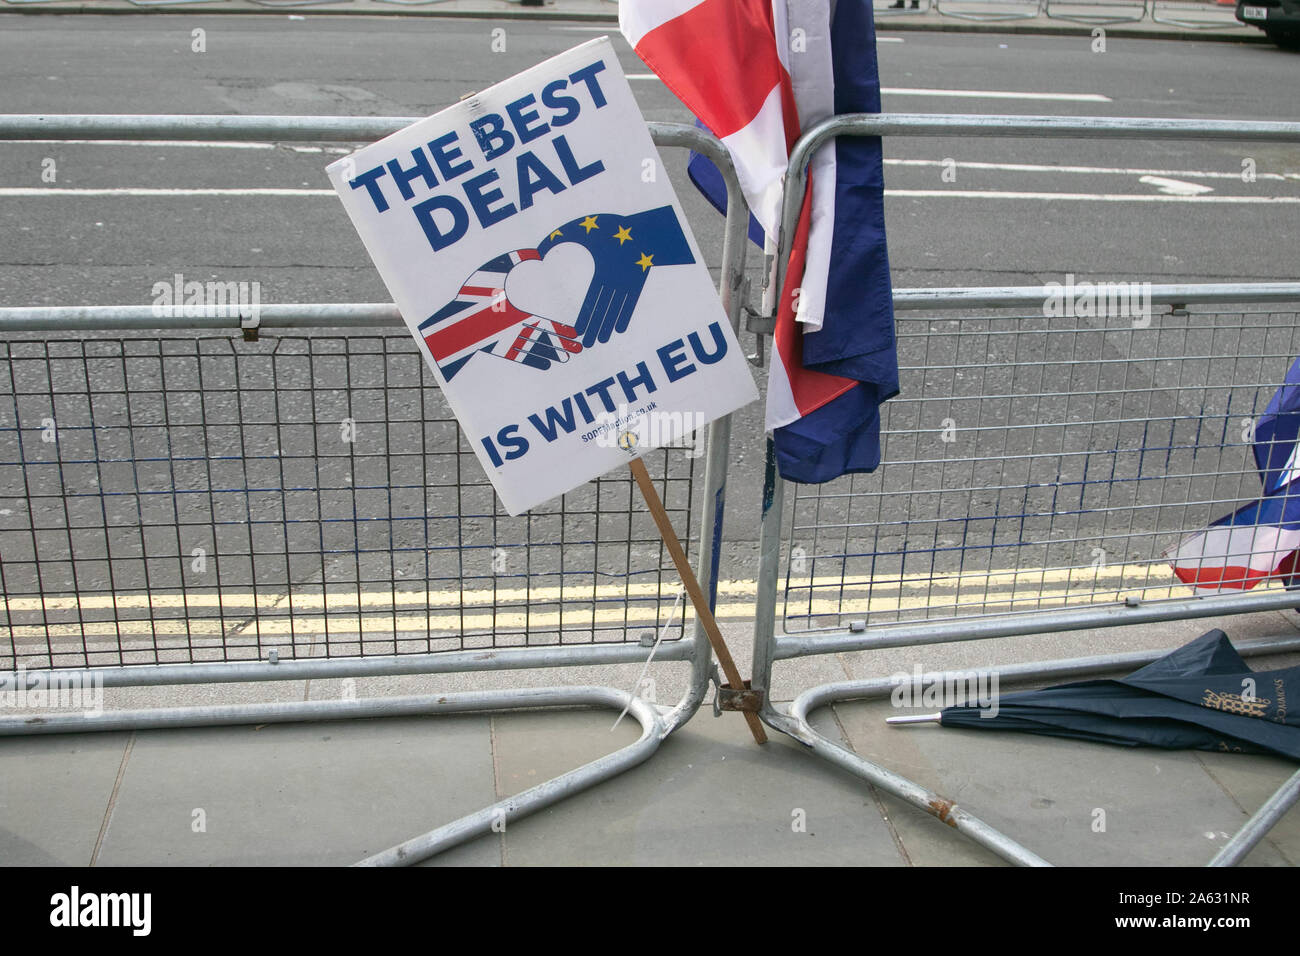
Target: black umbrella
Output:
[{"x": 1202, "y": 696}]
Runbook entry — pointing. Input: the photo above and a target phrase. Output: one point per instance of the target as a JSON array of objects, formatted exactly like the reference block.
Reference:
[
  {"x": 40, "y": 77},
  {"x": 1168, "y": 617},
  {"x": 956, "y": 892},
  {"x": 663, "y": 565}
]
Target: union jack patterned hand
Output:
[{"x": 482, "y": 320}]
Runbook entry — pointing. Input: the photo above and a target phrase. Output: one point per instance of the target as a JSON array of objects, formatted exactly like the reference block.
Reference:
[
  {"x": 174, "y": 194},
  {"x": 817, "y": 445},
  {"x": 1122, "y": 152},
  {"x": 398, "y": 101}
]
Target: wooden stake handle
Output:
[{"x": 693, "y": 589}]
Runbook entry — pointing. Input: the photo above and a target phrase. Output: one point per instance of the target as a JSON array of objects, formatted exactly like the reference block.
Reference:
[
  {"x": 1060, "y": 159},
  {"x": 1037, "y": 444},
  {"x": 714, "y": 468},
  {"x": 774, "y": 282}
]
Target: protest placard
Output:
[{"x": 535, "y": 247}]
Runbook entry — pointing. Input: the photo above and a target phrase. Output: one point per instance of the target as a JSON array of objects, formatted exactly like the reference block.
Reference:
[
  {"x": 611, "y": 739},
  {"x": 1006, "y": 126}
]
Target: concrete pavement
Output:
[{"x": 332, "y": 793}]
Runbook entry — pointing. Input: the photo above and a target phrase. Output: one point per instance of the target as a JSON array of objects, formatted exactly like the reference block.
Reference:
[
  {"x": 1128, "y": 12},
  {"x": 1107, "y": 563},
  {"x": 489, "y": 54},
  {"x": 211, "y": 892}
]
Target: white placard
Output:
[{"x": 535, "y": 247}]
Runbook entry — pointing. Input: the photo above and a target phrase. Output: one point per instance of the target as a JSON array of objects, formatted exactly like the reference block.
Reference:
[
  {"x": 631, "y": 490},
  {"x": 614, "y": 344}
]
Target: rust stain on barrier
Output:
[{"x": 943, "y": 809}]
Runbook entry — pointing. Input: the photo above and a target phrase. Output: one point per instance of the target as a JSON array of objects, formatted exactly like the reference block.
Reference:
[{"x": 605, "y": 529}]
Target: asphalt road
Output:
[
  {"x": 95, "y": 249},
  {"x": 960, "y": 212}
]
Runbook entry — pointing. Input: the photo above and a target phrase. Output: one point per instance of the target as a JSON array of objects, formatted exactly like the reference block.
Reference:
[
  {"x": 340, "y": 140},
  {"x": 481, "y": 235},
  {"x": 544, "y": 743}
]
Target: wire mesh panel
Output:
[
  {"x": 1040, "y": 461},
  {"x": 200, "y": 498}
]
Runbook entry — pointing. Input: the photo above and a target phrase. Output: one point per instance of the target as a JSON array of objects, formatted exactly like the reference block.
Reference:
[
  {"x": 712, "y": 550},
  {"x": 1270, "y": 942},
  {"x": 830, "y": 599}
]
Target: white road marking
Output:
[
  {"x": 998, "y": 95},
  {"x": 1093, "y": 170},
  {"x": 965, "y": 94},
  {"x": 1175, "y": 187},
  {"x": 35, "y": 192},
  {"x": 26, "y": 192},
  {"x": 613, "y": 31},
  {"x": 925, "y": 163},
  {"x": 1083, "y": 197},
  {"x": 171, "y": 143}
]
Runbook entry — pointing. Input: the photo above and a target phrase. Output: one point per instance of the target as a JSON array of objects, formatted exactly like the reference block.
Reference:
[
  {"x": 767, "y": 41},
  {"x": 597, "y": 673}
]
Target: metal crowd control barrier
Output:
[
  {"x": 1084, "y": 437},
  {"x": 1095, "y": 12},
  {"x": 295, "y": 3},
  {"x": 1183, "y": 14},
  {"x": 1003, "y": 10},
  {"x": 205, "y": 508},
  {"x": 170, "y": 3}
]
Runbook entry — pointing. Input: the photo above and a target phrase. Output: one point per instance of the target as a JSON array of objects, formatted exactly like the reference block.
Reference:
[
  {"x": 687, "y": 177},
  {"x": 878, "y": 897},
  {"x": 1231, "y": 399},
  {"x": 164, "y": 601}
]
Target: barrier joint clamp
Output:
[
  {"x": 758, "y": 323},
  {"x": 742, "y": 699}
]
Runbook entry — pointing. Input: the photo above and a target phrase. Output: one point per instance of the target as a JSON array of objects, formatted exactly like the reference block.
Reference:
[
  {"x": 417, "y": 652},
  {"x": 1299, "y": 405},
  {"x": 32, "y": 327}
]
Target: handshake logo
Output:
[{"x": 481, "y": 319}]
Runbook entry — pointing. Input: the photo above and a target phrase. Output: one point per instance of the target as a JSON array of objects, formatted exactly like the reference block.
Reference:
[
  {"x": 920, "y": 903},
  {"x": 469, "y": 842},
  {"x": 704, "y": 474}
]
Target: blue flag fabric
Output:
[
  {"x": 856, "y": 340},
  {"x": 1259, "y": 541}
]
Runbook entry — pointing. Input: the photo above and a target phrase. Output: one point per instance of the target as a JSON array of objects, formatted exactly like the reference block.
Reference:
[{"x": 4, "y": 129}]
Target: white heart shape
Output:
[{"x": 552, "y": 287}]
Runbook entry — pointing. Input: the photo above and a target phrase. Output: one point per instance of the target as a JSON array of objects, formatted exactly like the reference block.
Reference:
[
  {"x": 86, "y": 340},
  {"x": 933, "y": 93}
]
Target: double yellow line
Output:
[{"x": 311, "y": 610}]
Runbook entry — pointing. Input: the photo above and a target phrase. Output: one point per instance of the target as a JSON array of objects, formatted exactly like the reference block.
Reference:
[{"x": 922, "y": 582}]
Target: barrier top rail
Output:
[
  {"x": 303, "y": 315},
  {"x": 14, "y": 126},
  {"x": 1000, "y": 125},
  {"x": 285, "y": 129}
]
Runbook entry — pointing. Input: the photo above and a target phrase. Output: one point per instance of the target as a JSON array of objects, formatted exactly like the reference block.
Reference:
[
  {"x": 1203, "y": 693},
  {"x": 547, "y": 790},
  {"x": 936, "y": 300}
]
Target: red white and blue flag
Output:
[
  {"x": 756, "y": 73},
  {"x": 1259, "y": 541}
]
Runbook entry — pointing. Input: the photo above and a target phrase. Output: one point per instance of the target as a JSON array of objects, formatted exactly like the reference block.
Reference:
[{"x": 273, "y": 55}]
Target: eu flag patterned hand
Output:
[{"x": 624, "y": 249}]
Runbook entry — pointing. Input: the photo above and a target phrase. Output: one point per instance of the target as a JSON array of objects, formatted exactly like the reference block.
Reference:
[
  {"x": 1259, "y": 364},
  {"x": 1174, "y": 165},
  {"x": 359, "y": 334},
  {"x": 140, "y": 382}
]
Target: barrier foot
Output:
[
  {"x": 1255, "y": 829},
  {"x": 797, "y": 726},
  {"x": 653, "y": 730},
  {"x": 496, "y": 817}
]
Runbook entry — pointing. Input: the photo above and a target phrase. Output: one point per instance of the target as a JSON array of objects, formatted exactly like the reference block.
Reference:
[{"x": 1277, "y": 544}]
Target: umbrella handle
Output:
[{"x": 915, "y": 719}]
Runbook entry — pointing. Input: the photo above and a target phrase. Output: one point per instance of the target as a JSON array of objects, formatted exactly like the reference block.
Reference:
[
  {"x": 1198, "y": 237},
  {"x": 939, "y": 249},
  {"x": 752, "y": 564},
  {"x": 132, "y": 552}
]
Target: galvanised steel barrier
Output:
[
  {"x": 182, "y": 499},
  {"x": 1037, "y": 464},
  {"x": 1095, "y": 12},
  {"x": 172, "y": 3},
  {"x": 993, "y": 11},
  {"x": 295, "y": 3},
  {"x": 192, "y": 499},
  {"x": 1194, "y": 16}
]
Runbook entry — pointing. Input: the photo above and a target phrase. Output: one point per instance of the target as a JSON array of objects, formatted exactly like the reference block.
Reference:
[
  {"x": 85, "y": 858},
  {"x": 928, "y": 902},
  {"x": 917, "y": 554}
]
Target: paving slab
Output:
[
  {"x": 1249, "y": 781},
  {"x": 54, "y": 794},
  {"x": 296, "y": 794},
  {"x": 1072, "y": 802},
  {"x": 709, "y": 796}
]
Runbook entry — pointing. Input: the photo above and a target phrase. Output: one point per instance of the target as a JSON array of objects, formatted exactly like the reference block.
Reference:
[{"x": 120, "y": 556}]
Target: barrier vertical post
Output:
[{"x": 698, "y": 600}]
